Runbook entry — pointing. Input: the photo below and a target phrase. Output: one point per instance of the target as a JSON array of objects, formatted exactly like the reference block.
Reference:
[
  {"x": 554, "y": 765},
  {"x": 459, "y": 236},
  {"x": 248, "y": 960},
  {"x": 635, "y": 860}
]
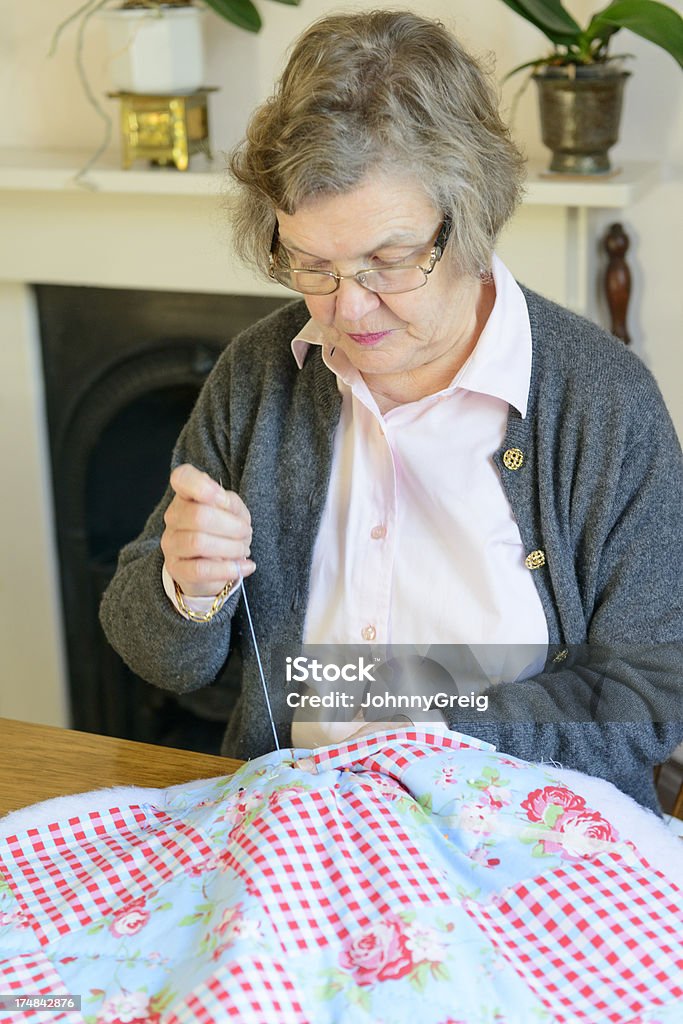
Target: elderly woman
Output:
[{"x": 419, "y": 450}]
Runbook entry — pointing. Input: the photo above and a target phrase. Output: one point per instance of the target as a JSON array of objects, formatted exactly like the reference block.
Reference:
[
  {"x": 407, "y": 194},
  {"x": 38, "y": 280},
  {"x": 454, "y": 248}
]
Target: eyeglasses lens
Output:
[{"x": 385, "y": 280}]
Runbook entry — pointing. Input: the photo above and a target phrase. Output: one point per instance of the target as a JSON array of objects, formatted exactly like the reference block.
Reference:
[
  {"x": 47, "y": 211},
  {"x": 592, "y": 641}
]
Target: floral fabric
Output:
[{"x": 409, "y": 876}]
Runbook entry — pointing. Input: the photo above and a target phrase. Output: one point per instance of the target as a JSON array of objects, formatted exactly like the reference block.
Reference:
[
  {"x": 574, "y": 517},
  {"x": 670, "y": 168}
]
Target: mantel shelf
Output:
[{"x": 35, "y": 170}]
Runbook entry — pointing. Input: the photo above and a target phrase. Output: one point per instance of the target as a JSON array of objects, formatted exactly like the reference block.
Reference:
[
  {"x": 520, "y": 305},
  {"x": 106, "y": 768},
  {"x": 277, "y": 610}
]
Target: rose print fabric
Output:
[{"x": 408, "y": 876}]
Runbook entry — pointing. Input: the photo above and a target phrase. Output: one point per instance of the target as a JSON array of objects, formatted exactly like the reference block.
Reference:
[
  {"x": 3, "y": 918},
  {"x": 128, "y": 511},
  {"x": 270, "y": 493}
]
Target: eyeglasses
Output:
[{"x": 387, "y": 279}]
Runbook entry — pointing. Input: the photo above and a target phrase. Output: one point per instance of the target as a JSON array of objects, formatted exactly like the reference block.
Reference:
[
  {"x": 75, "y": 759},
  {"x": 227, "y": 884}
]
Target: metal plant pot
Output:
[{"x": 580, "y": 111}]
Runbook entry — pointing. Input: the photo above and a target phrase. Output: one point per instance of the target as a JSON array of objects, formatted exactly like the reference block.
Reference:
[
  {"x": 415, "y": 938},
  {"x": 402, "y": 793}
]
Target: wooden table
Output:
[{"x": 38, "y": 762}]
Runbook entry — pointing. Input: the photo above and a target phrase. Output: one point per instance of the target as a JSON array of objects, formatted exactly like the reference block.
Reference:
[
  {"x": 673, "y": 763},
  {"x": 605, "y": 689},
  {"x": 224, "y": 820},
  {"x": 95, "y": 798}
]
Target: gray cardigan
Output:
[{"x": 600, "y": 493}]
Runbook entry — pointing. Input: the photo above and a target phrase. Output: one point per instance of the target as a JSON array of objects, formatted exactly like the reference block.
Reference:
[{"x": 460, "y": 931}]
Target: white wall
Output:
[{"x": 44, "y": 106}]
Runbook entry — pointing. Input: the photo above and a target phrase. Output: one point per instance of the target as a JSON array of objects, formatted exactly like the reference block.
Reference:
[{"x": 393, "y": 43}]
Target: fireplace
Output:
[
  {"x": 168, "y": 232},
  {"x": 122, "y": 370}
]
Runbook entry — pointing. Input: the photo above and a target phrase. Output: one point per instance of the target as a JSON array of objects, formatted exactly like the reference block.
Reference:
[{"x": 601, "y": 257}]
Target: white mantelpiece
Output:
[{"x": 166, "y": 230}]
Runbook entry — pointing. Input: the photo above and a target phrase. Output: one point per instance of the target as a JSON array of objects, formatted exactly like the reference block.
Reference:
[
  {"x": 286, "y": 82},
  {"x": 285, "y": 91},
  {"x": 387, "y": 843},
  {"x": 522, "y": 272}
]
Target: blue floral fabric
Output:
[{"x": 408, "y": 876}]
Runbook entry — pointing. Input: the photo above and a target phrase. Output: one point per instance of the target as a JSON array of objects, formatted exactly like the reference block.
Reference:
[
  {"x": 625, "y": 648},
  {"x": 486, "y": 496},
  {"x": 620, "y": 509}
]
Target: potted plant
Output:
[
  {"x": 581, "y": 82},
  {"x": 155, "y": 47}
]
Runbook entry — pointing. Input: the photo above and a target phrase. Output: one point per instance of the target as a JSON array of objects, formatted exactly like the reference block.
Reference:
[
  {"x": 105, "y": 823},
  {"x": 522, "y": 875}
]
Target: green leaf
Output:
[
  {"x": 208, "y": 944},
  {"x": 552, "y": 814},
  {"x": 467, "y": 894},
  {"x": 359, "y": 996},
  {"x": 291, "y": 3},
  {"x": 440, "y": 971},
  {"x": 333, "y": 974},
  {"x": 408, "y": 916},
  {"x": 418, "y": 809},
  {"x": 163, "y": 999},
  {"x": 420, "y": 976},
  {"x": 550, "y": 17},
  {"x": 328, "y": 991},
  {"x": 522, "y": 67},
  {"x": 190, "y": 919},
  {"x": 240, "y": 12},
  {"x": 653, "y": 21}
]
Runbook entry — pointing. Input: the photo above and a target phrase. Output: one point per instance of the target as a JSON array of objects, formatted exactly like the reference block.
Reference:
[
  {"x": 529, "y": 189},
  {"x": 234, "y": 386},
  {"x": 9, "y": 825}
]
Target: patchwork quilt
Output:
[{"x": 408, "y": 876}]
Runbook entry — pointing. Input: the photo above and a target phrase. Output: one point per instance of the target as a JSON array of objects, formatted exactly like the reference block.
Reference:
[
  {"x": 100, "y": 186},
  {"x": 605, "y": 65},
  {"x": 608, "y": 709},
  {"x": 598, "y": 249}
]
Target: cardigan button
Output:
[
  {"x": 561, "y": 656},
  {"x": 513, "y": 458},
  {"x": 368, "y": 633},
  {"x": 535, "y": 560}
]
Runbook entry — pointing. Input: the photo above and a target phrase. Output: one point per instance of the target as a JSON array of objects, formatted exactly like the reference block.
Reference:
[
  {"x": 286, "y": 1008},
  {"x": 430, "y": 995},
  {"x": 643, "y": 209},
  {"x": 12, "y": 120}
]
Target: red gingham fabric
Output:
[
  {"x": 256, "y": 991},
  {"x": 597, "y": 972},
  {"x": 78, "y": 870},
  {"x": 292, "y": 861},
  {"x": 357, "y": 751},
  {"x": 368, "y": 891},
  {"x": 33, "y": 974}
]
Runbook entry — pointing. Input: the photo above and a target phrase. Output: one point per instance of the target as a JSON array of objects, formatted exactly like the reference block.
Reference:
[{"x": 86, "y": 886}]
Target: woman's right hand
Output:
[{"x": 207, "y": 538}]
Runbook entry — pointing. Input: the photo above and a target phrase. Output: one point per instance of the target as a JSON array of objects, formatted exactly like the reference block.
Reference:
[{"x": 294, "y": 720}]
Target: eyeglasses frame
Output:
[{"x": 435, "y": 255}]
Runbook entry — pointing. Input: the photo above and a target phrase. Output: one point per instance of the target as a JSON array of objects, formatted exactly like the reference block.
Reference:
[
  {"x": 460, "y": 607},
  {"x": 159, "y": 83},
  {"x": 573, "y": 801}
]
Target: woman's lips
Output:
[{"x": 369, "y": 339}]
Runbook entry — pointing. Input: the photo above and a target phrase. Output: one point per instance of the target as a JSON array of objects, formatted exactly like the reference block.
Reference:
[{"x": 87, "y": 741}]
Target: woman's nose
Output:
[{"x": 354, "y": 301}]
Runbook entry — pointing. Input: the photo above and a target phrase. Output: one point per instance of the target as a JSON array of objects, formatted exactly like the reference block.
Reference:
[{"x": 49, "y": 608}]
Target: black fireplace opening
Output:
[{"x": 123, "y": 369}]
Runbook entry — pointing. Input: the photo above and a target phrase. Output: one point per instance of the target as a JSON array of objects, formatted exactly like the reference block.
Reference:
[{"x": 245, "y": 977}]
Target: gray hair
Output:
[{"x": 383, "y": 91}]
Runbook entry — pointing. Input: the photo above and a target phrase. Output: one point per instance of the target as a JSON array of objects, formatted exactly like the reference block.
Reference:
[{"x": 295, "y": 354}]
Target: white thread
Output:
[
  {"x": 258, "y": 659},
  {"x": 258, "y": 655}
]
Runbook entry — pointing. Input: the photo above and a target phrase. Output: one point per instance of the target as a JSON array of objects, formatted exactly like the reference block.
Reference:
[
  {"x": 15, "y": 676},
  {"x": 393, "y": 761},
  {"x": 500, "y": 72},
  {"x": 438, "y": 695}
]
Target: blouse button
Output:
[
  {"x": 513, "y": 458},
  {"x": 535, "y": 560},
  {"x": 368, "y": 632},
  {"x": 378, "y": 532}
]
